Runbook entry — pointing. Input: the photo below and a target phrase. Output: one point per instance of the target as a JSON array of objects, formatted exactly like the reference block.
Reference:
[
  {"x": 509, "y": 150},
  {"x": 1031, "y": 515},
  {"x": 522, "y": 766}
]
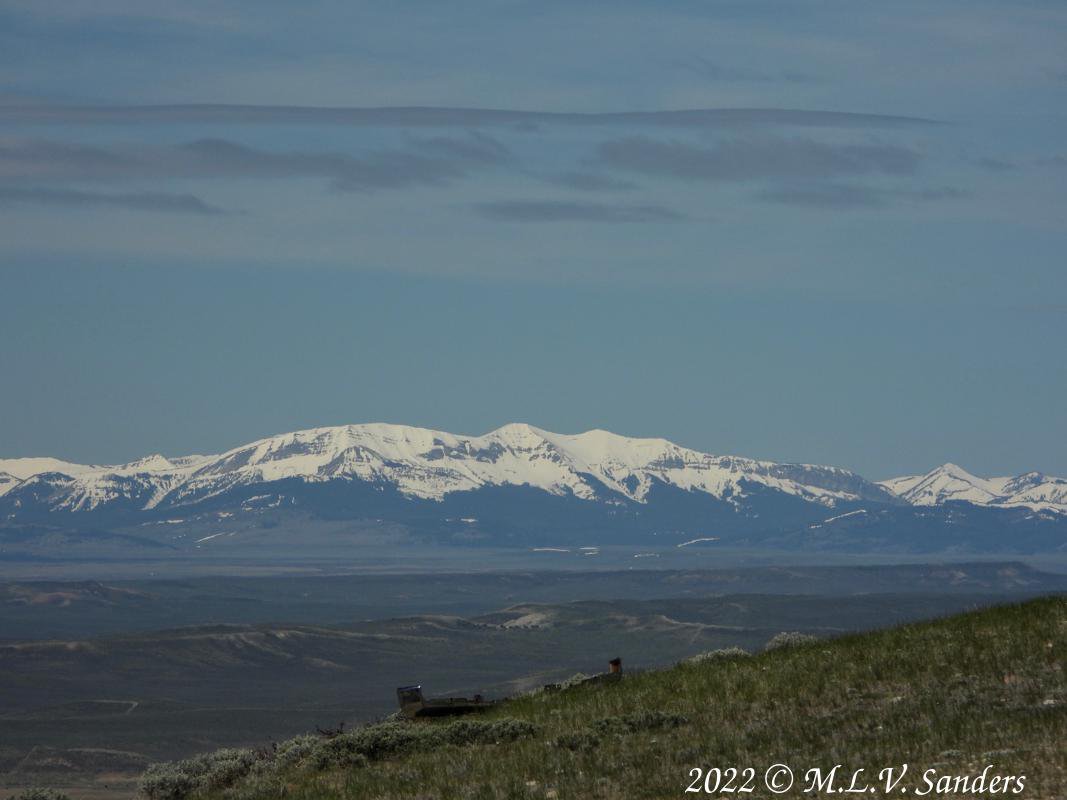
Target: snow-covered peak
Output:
[
  {"x": 943, "y": 484},
  {"x": 516, "y": 431},
  {"x": 152, "y": 463},
  {"x": 604, "y": 447},
  {"x": 23, "y": 468},
  {"x": 1046, "y": 494},
  {"x": 1024, "y": 482},
  {"x": 950, "y": 482}
]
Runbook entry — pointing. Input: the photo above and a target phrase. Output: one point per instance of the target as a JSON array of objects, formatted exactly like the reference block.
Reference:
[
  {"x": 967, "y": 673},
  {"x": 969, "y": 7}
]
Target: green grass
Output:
[{"x": 953, "y": 694}]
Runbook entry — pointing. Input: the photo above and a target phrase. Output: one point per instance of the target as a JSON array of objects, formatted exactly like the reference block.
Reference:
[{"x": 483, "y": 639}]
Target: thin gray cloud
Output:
[
  {"x": 47, "y": 159},
  {"x": 387, "y": 169},
  {"x": 566, "y": 211},
  {"x": 475, "y": 147},
  {"x": 849, "y": 196},
  {"x": 755, "y": 159},
  {"x": 427, "y": 116},
  {"x": 136, "y": 201},
  {"x": 443, "y": 160}
]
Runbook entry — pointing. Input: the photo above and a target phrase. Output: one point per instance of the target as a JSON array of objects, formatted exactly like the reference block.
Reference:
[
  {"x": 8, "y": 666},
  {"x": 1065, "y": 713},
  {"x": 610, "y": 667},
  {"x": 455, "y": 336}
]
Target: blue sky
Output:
[{"x": 827, "y": 232}]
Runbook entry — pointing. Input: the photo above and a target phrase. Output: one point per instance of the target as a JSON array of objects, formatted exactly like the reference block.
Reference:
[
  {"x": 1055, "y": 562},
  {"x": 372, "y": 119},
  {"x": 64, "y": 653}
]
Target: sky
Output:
[{"x": 829, "y": 232}]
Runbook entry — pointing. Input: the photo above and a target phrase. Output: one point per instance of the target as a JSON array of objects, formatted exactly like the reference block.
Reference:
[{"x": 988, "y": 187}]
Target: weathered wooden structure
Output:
[{"x": 413, "y": 705}]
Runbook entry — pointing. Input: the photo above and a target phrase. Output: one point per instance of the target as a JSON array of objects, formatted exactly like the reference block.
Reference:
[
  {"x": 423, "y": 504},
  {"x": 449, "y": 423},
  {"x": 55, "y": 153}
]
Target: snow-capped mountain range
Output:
[
  {"x": 517, "y": 486},
  {"x": 420, "y": 464}
]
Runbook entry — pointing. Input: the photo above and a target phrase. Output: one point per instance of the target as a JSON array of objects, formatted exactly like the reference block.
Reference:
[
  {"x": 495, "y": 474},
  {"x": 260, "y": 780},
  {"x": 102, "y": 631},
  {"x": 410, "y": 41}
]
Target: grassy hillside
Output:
[{"x": 953, "y": 695}]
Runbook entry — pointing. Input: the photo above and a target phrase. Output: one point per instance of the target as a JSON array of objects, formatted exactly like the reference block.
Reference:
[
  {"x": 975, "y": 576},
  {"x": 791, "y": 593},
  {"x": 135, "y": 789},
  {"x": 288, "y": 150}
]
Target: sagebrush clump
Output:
[
  {"x": 721, "y": 654},
  {"x": 39, "y": 793},
  {"x": 789, "y": 639},
  {"x": 291, "y": 752},
  {"x": 353, "y": 750},
  {"x": 217, "y": 770}
]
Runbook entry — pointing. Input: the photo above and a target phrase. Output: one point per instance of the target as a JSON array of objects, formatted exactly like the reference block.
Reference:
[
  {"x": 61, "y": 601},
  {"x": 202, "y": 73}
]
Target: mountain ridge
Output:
[
  {"x": 621, "y": 463},
  {"x": 428, "y": 464},
  {"x": 519, "y": 485}
]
